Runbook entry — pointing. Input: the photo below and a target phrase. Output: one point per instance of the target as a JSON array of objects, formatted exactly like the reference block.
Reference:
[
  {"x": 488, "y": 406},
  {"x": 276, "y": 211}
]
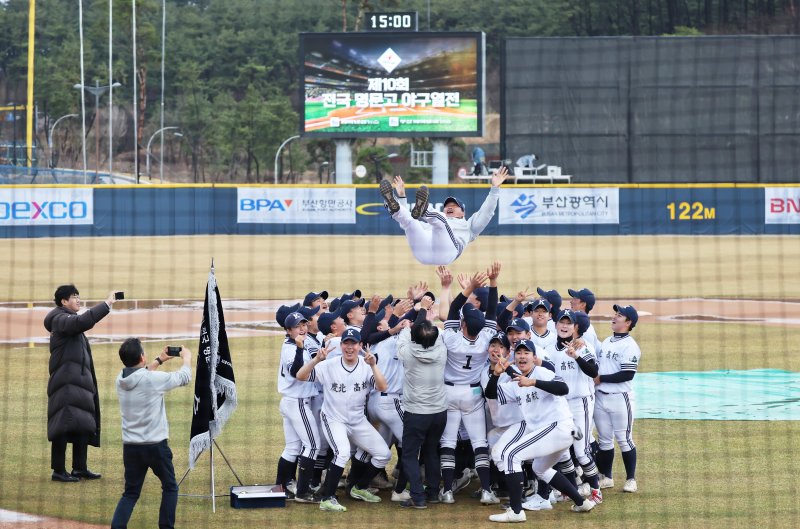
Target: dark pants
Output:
[
  {"x": 137, "y": 459},
  {"x": 58, "y": 455},
  {"x": 422, "y": 433}
]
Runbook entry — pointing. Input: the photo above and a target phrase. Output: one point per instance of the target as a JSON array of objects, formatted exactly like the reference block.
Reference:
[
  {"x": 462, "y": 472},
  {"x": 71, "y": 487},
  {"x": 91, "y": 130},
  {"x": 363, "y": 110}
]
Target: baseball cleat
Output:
[
  {"x": 585, "y": 490},
  {"x": 388, "y": 197},
  {"x": 308, "y": 497},
  {"x": 364, "y": 495},
  {"x": 508, "y": 517},
  {"x": 596, "y": 496},
  {"x": 411, "y": 504},
  {"x": 537, "y": 503},
  {"x": 463, "y": 481},
  {"x": 401, "y": 496},
  {"x": 292, "y": 486},
  {"x": 420, "y": 203},
  {"x": 630, "y": 486},
  {"x": 489, "y": 498},
  {"x": 606, "y": 483},
  {"x": 586, "y": 506},
  {"x": 381, "y": 482},
  {"x": 331, "y": 505},
  {"x": 446, "y": 496}
]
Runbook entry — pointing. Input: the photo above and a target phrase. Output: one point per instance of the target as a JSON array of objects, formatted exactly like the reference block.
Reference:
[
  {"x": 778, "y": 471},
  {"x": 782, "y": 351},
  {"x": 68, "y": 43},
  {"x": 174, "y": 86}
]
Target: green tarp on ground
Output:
[{"x": 753, "y": 395}]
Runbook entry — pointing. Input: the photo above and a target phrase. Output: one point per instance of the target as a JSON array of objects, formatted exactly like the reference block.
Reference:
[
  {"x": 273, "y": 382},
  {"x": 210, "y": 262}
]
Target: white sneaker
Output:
[
  {"x": 537, "y": 503},
  {"x": 630, "y": 486},
  {"x": 488, "y": 497},
  {"x": 556, "y": 497},
  {"x": 584, "y": 490},
  {"x": 587, "y": 506},
  {"x": 446, "y": 496},
  {"x": 508, "y": 517},
  {"x": 380, "y": 482},
  {"x": 463, "y": 481},
  {"x": 292, "y": 486},
  {"x": 401, "y": 496},
  {"x": 596, "y": 496},
  {"x": 606, "y": 483}
]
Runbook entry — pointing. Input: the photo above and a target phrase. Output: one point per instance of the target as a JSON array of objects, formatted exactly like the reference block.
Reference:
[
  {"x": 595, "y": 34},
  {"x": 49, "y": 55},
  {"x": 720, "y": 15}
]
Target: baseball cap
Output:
[
  {"x": 502, "y": 338},
  {"x": 566, "y": 313},
  {"x": 308, "y": 312},
  {"x": 585, "y": 295},
  {"x": 629, "y": 312},
  {"x": 527, "y": 344},
  {"x": 518, "y": 324},
  {"x": 350, "y": 295},
  {"x": 458, "y": 202},
  {"x": 474, "y": 319},
  {"x": 583, "y": 321},
  {"x": 351, "y": 335},
  {"x": 349, "y": 305},
  {"x": 541, "y": 302},
  {"x": 283, "y": 311},
  {"x": 482, "y": 294},
  {"x": 334, "y": 304},
  {"x": 502, "y": 306},
  {"x": 293, "y": 320},
  {"x": 312, "y": 296},
  {"x": 386, "y": 301},
  {"x": 325, "y": 320},
  {"x": 553, "y": 297}
]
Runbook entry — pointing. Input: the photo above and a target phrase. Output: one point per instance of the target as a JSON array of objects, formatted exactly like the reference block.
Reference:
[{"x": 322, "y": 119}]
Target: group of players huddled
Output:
[{"x": 525, "y": 384}]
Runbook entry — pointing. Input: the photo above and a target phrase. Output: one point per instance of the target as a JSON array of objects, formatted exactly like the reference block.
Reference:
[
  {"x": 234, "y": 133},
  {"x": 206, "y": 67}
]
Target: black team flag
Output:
[{"x": 214, "y": 385}]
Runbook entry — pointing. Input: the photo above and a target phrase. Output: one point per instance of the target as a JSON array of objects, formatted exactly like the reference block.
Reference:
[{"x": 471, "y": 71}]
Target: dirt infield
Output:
[{"x": 180, "y": 320}]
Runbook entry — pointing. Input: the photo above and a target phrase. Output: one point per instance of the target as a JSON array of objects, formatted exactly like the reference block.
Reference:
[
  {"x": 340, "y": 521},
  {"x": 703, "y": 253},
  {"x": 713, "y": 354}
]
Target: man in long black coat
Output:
[{"x": 73, "y": 404}]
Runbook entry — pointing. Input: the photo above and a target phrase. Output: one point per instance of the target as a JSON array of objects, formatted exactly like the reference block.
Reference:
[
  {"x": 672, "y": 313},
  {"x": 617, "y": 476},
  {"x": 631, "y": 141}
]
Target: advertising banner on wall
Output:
[
  {"x": 46, "y": 206},
  {"x": 559, "y": 206},
  {"x": 782, "y": 205},
  {"x": 296, "y": 205}
]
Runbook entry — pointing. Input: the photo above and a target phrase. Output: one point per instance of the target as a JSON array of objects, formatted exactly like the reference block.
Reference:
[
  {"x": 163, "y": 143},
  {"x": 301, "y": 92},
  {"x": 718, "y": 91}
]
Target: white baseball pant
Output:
[
  {"x": 544, "y": 446},
  {"x": 431, "y": 239},
  {"x": 613, "y": 416},
  {"x": 361, "y": 434},
  {"x": 300, "y": 430}
]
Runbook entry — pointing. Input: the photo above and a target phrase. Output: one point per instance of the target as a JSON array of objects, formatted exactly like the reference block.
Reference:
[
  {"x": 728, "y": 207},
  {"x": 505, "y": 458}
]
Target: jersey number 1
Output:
[{"x": 467, "y": 366}]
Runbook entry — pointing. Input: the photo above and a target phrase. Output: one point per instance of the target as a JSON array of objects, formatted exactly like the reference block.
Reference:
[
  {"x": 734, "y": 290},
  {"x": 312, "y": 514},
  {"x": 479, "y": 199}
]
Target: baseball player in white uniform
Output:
[
  {"x": 574, "y": 362},
  {"x": 467, "y": 341},
  {"x": 300, "y": 430},
  {"x": 346, "y": 382},
  {"x": 614, "y": 407},
  {"x": 549, "y": 432},
  {"x": 583, "y": 300},
  {"x": 434, "y": 238},
  {"x": 554, "y": 298}
]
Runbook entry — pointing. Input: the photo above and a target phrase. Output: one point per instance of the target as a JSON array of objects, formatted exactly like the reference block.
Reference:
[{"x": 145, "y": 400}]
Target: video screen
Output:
[{"x": 398, "y": 84}]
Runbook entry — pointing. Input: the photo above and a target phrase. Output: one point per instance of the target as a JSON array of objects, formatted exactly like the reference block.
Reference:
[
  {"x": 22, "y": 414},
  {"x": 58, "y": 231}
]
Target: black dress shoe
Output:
[
  {"x": 63, "y": 476},
  {"x": 85, "y": 474}
]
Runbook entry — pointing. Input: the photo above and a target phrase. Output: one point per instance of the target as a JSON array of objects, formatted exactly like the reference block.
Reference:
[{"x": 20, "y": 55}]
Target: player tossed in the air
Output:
[{"x": 435, "y": 238}]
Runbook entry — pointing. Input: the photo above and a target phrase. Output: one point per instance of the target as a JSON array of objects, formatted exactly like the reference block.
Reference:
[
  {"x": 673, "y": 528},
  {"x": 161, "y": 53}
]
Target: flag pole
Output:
[{"x": 213, "y": 492}]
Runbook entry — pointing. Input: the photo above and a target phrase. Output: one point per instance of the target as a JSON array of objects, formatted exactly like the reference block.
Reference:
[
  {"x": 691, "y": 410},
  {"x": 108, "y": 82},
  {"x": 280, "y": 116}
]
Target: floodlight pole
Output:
[{"x": 278, "y": 154}]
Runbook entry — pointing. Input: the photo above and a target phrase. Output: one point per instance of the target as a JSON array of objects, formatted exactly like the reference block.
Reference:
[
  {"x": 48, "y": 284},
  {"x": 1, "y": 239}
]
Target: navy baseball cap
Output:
[
  {"x": 313, "y": 296},
  {"x": 583, "y": 321},
  {"x": 457, "y": 201},
  {"x": 518, "y": 324},
  {"x": 553, "y": 297},
  {"x": 541, "y": 302},
  {"x": 566, "y": 313},
  {"x": 585, "y": 295},
  {"x": 351, "y": 335},
  {"x": 349, "y": 305},
  {"x": 386, "y": 301},
  {"x": 482, "y": 294},
  {"x": 283, "y": 311},
  {"x": 502, "y": 338},
  {"x": 308, "y": 312},
  {"x": 334, "y": 304},
  {"x": 502, "y": 306},
  {"x": 474, "y": 318},
  {"x": 351, "y": 295},
  {"x": 293, "y": 320},
  {"x": 527, "y": 344},
  {"x": 325, "y": 320},
  {"x": 629, "y": 312}
]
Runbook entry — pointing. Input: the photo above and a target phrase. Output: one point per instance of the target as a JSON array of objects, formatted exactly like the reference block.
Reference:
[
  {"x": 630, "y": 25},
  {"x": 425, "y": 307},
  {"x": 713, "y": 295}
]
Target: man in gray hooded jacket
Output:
[
  {"x": 424, "y": 355},
  {"x": 145, "y": 429}
]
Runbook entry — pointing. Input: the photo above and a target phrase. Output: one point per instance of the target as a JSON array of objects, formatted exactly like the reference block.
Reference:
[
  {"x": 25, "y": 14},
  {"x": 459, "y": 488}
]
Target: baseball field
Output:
[{"x": 706, "y": 303}]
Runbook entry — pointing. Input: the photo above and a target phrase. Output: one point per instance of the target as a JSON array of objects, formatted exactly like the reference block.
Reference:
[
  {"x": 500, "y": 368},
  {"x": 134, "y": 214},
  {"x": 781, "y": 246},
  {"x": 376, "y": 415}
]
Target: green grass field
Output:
[{"x": 693, "y": 474}]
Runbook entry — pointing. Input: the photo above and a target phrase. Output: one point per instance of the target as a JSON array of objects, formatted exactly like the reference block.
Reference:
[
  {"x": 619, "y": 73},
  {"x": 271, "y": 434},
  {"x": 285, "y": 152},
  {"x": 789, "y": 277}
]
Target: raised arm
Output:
[{"x": 481, "y": 219}]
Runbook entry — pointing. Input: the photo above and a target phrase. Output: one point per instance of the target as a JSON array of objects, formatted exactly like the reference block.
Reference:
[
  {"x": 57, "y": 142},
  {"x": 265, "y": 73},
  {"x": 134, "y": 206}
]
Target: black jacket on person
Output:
[{"x": 73, "y": 404}]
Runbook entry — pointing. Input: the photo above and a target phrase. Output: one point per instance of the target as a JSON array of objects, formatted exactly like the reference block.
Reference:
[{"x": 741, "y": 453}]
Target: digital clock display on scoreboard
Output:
[
  {"x": 392, "y": 84},
  {"x": 405, "y": 21}
]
